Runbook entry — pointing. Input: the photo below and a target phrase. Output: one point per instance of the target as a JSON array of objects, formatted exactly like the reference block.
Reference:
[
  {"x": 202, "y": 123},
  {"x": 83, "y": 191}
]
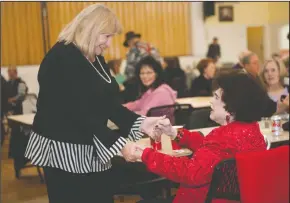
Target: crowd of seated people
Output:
[
  {"x": 135, "y": 94},
  {"x": 168, "y": 79}
]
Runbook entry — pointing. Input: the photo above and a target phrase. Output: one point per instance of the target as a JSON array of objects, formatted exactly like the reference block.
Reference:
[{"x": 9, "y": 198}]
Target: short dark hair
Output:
[
  {"x": 244, "y": 97},
  {"x": 156, "y": 66},
  {"x": 247, "y": 58},
  {"x": 203, "y": 63}
]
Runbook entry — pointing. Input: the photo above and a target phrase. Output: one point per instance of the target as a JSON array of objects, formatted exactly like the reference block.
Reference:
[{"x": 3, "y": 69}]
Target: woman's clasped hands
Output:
[{"x": 154, "y": 127}]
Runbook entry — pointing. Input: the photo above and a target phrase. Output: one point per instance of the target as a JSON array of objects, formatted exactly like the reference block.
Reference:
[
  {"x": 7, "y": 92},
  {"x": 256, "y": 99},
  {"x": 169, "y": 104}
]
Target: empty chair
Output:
[
  {"x": 264, "y": 176},
  {"x": 199, "y": 118},
  {"x": 178, "y": 114}
]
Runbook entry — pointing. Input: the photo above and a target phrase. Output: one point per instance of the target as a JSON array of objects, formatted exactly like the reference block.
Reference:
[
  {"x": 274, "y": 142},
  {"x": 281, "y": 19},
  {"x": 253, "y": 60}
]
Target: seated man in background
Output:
[
  {"x": 240, "y": 64},
  {"x": 17, "y": 90},
  {"x": 202, "y": 86},
  {"x": 251, "y": 64},
  {"x": 4, "y": 106}
]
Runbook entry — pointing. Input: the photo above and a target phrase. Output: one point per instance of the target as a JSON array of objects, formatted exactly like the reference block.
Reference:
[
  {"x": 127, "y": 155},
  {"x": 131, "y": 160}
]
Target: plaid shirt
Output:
[{"x": 135, "y": 54}]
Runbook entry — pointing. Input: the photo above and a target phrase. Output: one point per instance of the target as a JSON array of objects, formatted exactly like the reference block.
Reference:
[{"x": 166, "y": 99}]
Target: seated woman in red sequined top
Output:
[{"x": 237, "y": 105}]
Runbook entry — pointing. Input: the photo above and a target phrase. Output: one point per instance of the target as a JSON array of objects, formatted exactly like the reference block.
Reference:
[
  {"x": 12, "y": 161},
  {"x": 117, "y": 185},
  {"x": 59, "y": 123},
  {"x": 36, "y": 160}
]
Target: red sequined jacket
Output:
[{"x": 194, "y": 174}]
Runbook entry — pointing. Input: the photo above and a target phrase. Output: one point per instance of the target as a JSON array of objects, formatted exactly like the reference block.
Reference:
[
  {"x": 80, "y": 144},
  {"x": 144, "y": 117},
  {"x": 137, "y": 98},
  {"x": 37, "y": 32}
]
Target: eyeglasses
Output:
[{"x": 146, "y": 73}]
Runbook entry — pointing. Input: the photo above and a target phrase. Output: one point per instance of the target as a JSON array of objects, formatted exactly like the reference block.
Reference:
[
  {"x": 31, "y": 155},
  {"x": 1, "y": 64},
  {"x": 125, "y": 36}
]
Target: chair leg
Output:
[{"x": 40, "y": 174}]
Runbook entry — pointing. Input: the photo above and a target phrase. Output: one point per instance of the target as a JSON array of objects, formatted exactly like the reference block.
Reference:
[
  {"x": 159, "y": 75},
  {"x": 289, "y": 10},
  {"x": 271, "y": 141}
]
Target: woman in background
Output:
[
  {"x": 273, "y": 73},
  {"x": 154, "y": 92},
  {"x": 202, "y": 86}
]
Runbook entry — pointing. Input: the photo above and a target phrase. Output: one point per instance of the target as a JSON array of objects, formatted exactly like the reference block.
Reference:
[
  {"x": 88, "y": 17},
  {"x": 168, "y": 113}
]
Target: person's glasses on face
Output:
[{"x": 146, "y": 73}]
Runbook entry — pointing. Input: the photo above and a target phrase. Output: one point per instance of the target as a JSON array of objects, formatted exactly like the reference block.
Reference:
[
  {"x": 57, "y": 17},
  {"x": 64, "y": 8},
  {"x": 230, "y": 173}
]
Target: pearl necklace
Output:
[{"x": 107, "y": 80}]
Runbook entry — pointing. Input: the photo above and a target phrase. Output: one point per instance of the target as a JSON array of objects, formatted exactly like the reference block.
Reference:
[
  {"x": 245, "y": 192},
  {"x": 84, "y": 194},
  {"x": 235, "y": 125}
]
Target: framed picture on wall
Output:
[{"x": 226, "y": 13}]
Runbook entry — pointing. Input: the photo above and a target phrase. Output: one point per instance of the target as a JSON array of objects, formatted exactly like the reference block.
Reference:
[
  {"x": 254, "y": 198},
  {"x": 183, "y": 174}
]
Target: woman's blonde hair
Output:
[
  {"x": 86, "y": 27},
  {"x": 281, "y": 68}
]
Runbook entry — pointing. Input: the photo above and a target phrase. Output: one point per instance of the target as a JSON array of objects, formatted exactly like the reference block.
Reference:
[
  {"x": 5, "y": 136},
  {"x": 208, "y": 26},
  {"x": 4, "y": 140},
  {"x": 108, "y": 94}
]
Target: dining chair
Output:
[
  {"x": 178, "y": 114},
  {"x": 264, "y": 176},
  {"x": 224, "y": 184}
]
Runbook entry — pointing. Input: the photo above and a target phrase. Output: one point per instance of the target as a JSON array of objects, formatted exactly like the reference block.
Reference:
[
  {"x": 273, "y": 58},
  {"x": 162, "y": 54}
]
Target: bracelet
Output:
[{"x": 179, "y": 135}]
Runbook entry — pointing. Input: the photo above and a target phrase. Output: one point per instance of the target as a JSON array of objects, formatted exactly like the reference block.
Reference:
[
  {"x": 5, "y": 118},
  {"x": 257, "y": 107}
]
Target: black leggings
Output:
[{"x": 65, "y": 187}]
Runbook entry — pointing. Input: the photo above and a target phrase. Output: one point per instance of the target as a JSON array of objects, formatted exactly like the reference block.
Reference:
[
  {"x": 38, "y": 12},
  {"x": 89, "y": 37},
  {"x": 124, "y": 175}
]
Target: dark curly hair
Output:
[
  {"x": 157, "y": 68},
  {"x": 244, "y": 96}
]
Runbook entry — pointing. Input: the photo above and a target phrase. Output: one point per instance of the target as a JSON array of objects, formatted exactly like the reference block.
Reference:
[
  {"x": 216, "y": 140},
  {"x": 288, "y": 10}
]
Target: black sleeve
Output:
[
  {"x": 118, "y": 114},
  {"x": 270, "y": 108},
  {"x": 127, "y": 121},
  {"x": 193, "y": 89},
  {"x": 123, "y": 118},
  {"x": 197, "y": 88}
]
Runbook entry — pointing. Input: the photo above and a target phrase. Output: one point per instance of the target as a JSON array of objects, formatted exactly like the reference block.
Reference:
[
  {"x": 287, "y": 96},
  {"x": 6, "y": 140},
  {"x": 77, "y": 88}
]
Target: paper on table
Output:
[{"x": 178, "y": 126}]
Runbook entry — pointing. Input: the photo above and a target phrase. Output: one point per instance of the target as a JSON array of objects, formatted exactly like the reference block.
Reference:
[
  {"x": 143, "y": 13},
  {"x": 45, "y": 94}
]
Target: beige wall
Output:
[
  {"x": 244, "y": 13},
  {"x": 278, "y": 12},
  {"x": 233, "y": 38},
  {"x": 254, "y": 13}
]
